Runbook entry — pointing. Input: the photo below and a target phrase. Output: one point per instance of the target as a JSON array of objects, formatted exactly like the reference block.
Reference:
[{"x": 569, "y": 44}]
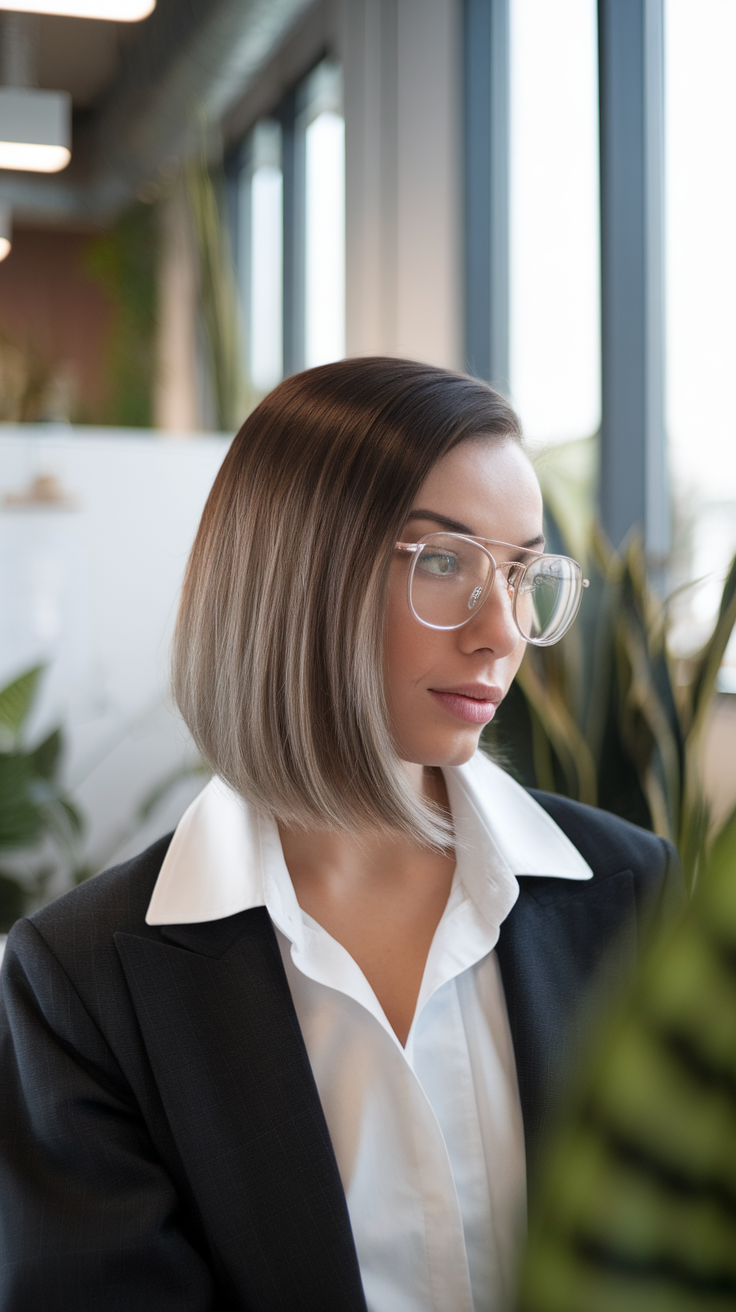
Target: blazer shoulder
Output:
[
  {"x": 610, "y": 844},
  {"x": 88, "y": 916}
]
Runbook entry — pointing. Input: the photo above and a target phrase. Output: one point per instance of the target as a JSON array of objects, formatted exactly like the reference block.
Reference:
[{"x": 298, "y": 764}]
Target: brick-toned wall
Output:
[{"x": 49, "y": 303}]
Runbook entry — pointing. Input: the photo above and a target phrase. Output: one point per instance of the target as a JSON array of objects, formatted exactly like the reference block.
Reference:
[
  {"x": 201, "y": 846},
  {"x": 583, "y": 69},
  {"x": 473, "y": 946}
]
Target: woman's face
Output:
[{"x": 443, "y": 686}]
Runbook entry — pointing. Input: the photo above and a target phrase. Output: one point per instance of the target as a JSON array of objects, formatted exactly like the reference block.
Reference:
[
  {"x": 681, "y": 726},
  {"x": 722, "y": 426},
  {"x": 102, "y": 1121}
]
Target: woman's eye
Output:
[{"x": 439, "y": 563}]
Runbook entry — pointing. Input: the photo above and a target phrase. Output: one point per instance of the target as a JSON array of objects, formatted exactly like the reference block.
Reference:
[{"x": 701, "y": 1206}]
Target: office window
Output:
[
  {"x": 324, "y": 216},
  {"x": 264, "y": 180},
  {"x": 287, "y": 189},
  {"x": 700, "y": 126},
  {"x": 554, "y": 292}
]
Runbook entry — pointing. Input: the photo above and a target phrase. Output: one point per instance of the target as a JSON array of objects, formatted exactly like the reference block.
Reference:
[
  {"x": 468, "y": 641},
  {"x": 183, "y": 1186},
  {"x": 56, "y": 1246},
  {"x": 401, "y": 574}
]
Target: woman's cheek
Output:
[{"x": 516, "y": 659}]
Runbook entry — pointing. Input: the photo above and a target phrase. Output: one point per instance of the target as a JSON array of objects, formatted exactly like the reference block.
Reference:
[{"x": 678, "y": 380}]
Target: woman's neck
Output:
[
  {"x": 381, "y": 895},
  {"x": 375, "y": 855}
]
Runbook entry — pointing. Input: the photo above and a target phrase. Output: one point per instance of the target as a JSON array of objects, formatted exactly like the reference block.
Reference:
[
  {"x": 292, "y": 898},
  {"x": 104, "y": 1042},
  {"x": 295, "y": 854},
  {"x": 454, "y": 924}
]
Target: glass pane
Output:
[
  {"x": 325, "y": 239},
  {"x": 700, "y": 107},
  {"x": 554, "y": 218},
  {"x": 265, "y": 336},
  {"x": 264, "y": 257}
]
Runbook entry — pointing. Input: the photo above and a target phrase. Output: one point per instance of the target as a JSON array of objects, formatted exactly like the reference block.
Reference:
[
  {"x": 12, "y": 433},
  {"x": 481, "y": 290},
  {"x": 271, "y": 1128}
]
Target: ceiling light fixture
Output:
[
  {"x": 119, "y": 11},
  {"x": 35, "y": 129}
]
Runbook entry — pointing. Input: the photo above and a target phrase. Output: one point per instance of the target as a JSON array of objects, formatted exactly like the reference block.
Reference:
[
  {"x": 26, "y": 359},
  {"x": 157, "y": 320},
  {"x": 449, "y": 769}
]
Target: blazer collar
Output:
[{"x": 225, "y": 856}]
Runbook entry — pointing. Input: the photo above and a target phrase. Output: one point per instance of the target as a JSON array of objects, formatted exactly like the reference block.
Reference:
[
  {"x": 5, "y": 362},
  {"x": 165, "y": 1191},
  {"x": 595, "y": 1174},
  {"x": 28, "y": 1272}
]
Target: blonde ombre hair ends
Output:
[{"x": 278, "y": 647}]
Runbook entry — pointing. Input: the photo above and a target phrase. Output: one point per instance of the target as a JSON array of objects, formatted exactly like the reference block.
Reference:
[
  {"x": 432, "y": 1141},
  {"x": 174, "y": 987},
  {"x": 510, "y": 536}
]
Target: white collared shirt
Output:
[{"x": 428, "y": 1138}]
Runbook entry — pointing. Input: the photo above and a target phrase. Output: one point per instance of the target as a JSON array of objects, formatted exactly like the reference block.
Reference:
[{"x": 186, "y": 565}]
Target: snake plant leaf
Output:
[
  {"x": 551, "y": 710},
  {"x": 15, "y": 703},
  {"x": 695, "y": 820},
  {"x": 649, "y": 721},
  {"x": 709, "y": 662},
  {"x": 637, "y": 1206}
]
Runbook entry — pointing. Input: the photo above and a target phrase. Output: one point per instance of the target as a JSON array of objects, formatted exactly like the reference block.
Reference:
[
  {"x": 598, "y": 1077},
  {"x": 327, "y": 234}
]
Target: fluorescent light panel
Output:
[
  {"x": 35, "y": 129},
  {"x": 119, "y": 11},
  {"x": 31, "y": 157}
]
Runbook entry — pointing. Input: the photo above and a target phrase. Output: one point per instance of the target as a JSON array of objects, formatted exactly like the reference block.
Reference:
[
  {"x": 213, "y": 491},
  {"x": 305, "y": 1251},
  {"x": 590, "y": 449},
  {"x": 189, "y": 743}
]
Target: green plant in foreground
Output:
[
  {"x": 600, "y": 716},
  {"x": 33, "y": 805},
  {"x": 637, "y": 1207}
]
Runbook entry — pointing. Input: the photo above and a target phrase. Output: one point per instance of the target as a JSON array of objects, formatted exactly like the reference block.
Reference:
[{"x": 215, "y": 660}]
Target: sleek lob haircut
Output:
[{"x": 278, "y": 649}]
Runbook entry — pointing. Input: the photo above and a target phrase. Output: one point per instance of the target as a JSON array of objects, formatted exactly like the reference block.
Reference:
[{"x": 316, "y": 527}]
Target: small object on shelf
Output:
[{"x": 44, "y": 492}]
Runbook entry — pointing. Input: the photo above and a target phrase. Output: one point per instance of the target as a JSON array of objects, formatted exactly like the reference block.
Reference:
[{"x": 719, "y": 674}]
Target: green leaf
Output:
[
  {"x": 46, "y": 756},
  {"x": 33, "y": 807},
  {"x": 640, "y": 1180},
  {"x": 16, "y": 700},
  {"x": 21, "y": 821},
  {"x": 711, "y": 657},
  {"x": 649, "y": 722},
  {"x": 554, "y": 717}
]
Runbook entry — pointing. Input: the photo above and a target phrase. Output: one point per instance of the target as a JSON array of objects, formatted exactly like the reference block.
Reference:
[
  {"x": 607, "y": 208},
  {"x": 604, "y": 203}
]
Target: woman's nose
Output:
[{"x": 494, "y": 626}]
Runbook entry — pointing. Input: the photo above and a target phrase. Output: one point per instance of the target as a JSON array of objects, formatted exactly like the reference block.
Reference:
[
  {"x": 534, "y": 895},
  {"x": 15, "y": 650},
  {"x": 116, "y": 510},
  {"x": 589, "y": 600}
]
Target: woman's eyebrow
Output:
[{"x": 454, "y": 526}]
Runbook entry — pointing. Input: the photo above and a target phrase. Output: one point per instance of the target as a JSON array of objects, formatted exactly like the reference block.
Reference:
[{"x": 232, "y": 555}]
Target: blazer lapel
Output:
[
  {"x": 554, "y": 941},
  {"x": 230, "y": 1064}
]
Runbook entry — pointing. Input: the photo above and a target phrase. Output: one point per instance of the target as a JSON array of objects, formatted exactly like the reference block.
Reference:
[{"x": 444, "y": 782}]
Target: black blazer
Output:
[{"x": 162, "y": 1143}]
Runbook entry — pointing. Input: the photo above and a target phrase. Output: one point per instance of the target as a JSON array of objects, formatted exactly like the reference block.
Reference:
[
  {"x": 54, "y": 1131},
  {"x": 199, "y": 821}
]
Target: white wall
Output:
[{"x": 92, "y": 589}]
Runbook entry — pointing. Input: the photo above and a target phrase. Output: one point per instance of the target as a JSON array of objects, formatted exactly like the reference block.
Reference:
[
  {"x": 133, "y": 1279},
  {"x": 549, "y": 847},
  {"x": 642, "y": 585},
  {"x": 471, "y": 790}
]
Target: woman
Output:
[{"x": 293, "y": 1057}]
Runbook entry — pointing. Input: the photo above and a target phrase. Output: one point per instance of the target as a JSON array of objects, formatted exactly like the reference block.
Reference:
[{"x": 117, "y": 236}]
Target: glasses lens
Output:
[
  {"x": 547, "y": 599},
  {"x": 450, "y": 579}
]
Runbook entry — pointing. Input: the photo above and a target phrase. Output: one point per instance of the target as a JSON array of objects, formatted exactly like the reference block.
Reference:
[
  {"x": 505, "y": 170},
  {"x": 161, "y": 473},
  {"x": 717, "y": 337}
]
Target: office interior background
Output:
[{"x": 542, "y": 192}]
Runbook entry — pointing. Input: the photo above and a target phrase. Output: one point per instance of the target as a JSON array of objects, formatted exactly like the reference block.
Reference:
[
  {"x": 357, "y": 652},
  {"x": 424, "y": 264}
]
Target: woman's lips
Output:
[{"x": 475, "y": 706}]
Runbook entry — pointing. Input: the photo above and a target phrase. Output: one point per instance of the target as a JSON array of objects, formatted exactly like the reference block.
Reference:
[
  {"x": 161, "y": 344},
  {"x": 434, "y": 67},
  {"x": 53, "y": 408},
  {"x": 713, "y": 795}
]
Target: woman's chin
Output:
[
  {"x": 458, "y": 751},
  {"x": 464, "y": 752}
]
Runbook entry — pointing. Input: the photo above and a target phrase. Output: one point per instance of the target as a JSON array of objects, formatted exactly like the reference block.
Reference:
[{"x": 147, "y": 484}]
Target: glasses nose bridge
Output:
[
  {"x": 504, "y": 569},
  {"x": 492, "y": 568},
  {"x": 501, "y": 594}
]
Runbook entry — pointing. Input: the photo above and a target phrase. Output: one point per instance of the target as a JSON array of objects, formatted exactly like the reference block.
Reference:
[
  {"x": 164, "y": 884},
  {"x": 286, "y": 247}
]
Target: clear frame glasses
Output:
[{"x": 452, "y": 576}]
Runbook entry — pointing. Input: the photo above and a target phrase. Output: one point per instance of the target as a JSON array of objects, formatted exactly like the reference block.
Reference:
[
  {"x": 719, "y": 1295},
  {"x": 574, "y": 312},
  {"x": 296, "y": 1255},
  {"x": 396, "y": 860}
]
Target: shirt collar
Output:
[{"x": 225, "y": 857}]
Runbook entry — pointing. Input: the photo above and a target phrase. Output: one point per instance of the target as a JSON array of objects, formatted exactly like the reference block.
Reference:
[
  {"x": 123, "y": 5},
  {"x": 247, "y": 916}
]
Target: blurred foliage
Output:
[
  {"x": 217, "y": 281},
  {"x": 123, "y": 263},
  {"x": 604, "y": 716},
  {"x": 637, "y": 1207},
  {"x": 25, "y": 379},
  {"x": 34, "y": 809}
]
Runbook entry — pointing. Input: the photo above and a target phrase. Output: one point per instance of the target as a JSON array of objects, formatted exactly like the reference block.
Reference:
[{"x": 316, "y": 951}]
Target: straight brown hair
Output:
[{"x": 278, "y": 647}]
